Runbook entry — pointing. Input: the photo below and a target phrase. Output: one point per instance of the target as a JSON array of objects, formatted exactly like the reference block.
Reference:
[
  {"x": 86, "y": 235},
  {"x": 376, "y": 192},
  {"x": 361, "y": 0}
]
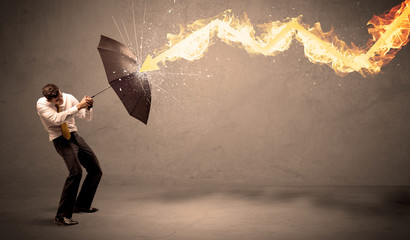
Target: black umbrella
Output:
[{"x": 123, "y": 75}]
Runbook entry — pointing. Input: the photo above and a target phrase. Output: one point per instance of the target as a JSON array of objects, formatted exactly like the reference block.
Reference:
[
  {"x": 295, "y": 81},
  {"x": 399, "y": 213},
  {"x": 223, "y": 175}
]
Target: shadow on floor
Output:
[{"x": 362, "y": 200}]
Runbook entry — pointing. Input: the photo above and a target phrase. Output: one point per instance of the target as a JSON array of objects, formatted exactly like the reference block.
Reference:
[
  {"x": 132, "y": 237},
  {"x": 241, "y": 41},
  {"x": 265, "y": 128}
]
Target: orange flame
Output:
[
  {"x": 389, "y": 33},
  {"x": 399, "y": 37}
]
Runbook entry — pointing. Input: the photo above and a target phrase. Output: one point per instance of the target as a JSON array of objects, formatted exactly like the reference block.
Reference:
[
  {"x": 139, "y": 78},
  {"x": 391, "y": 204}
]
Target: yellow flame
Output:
[{"x": 389, "y": 33}]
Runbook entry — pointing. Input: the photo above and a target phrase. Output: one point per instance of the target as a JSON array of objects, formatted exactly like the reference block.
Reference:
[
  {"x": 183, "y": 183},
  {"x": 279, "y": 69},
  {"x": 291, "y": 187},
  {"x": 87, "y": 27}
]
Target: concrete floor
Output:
[{"x": 213, "y": 212}]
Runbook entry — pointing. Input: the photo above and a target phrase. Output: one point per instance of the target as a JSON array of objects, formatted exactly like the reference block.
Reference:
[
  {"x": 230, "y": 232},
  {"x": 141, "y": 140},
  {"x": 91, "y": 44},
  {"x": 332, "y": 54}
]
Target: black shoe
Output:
[
  {"x": 64, "y": 221},
  {"x": 86, "y": 210}
]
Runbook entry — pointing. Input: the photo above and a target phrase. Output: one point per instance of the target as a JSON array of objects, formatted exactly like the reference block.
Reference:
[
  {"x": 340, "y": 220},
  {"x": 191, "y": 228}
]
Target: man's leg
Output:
[
  {"x": 69, "y": 152},
  {"x": 90, "y": 162}
]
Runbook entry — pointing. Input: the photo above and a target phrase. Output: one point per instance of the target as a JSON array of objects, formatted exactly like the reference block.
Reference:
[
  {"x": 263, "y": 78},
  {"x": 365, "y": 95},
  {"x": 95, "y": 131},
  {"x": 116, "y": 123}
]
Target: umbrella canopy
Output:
[{"x": 122, "y": 68}]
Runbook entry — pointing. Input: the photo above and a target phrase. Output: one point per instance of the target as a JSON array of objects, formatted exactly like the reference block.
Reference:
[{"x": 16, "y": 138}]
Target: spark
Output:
[
  {"x": 118, "y": 29},
  {"x": 126, "y": 33},
  {"x": 135, "y": 34},
  {"x": 142, "y": 31}
]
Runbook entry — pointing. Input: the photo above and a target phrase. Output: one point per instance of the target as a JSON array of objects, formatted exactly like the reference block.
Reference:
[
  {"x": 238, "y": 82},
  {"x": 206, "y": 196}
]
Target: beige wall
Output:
[{"x": 229, "y": 118}]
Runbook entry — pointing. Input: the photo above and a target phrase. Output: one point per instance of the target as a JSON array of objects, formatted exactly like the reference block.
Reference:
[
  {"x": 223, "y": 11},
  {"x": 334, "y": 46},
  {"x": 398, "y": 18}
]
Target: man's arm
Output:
[{"x": 50, "y": 114}]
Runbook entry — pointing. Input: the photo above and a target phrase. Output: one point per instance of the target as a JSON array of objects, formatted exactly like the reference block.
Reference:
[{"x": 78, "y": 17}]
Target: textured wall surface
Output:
[{"x": 226, "y": 118}]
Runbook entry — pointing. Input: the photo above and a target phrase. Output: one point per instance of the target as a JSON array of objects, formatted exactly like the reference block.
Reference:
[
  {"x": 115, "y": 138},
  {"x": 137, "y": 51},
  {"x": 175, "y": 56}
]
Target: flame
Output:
[
  {"x": 390, "y": 32},
  {"x": 384, "y": 51}
]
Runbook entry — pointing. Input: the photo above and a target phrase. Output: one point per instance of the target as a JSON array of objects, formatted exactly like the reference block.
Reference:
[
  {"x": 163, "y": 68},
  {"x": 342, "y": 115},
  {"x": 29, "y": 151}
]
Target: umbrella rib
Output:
[
  {"x": 109, "y": 50},
  {"x": 136, "y": 104}
]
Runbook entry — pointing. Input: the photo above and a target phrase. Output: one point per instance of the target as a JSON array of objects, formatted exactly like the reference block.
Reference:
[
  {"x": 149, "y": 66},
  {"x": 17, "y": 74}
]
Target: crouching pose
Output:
[{"x": 57, "y": 111}]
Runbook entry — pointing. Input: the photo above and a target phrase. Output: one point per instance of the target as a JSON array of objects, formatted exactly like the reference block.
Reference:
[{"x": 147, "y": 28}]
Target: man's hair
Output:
[{"x": 50, "y": 91}]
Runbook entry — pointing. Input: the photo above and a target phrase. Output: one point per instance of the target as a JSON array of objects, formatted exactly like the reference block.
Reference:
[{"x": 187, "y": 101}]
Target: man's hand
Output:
[
  {"x": 89, "y": 100},
  {"x": 83, "y": 103}
]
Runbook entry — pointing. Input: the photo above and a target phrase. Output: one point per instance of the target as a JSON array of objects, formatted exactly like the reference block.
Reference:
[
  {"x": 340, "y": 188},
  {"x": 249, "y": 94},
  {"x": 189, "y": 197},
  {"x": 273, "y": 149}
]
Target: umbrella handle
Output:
[
  {"x": 89, "y": 107},
  {"x": 100, "y": 91}
]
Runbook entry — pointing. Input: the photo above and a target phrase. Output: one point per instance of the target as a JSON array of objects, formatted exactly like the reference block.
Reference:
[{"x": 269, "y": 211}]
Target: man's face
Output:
[{"x": 58, "y": 100}]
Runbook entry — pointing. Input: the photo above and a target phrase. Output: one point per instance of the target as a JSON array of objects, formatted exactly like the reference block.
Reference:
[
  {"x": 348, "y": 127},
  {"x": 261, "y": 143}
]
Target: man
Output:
[{"x": 57, "y": 111}]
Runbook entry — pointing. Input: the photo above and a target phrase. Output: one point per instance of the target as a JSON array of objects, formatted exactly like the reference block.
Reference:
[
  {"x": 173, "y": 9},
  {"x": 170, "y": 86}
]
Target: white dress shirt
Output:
[{"x": 52, "y": 120}]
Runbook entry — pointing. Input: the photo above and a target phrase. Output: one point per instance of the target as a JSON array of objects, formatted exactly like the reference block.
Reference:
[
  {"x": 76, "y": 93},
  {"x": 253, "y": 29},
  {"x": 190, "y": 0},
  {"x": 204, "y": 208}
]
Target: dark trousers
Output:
[{"x": 77, "y": 153}]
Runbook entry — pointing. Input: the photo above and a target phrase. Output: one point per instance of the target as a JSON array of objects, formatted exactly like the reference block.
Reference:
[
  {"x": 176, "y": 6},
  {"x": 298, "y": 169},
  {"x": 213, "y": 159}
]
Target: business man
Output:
[{"x": 57, "y": 111}]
